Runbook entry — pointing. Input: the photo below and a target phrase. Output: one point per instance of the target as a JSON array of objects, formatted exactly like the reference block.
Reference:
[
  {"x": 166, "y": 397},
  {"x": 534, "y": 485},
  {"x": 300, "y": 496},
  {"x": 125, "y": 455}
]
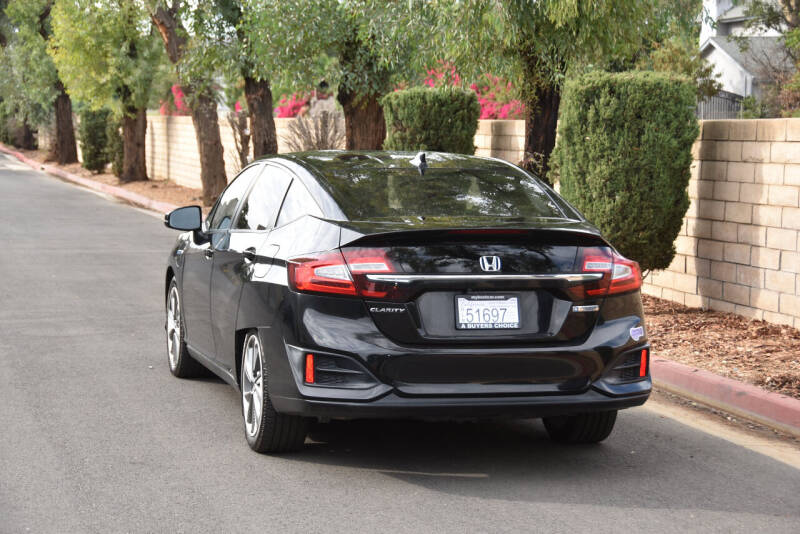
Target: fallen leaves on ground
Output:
[{"x": 757, "y": 352}]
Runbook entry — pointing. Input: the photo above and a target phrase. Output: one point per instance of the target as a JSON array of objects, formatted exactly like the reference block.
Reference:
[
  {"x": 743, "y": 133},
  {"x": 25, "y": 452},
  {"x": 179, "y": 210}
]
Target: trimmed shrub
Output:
[
  {"x": 114, "y": 151},
  {"x": 443, "y": 119},
  {"x": 93, "y": 137},
  {"x": 623, "y": 157}
]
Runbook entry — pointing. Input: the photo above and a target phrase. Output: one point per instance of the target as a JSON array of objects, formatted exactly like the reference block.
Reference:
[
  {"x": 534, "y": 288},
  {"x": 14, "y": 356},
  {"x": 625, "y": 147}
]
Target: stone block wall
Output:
[
  {"x": 504, "y": 139},
  {"x": 739, "y": 248},
  {"x": 171, "y": 149}
]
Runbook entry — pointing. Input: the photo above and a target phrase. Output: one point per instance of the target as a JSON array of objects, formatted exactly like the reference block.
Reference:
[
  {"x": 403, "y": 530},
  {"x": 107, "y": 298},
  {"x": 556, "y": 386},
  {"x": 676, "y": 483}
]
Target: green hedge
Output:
[
  {"x": 443, "y": 120},
  {"x": 623, "y": 157},
  {"x": 114, "y": 151},
  {"x": 93, "y": 137}
]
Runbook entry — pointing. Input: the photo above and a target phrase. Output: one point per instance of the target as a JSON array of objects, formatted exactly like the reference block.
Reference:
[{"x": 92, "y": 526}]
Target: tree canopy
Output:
[
  {"x": 29, "y": 77},
  {"x": 106, "y": 53}
]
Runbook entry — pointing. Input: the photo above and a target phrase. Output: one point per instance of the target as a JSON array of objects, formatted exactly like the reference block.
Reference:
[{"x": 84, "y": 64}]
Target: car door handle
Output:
[
  {"x": 249, "y": 254},
  {"x": 209, "y": 253}
]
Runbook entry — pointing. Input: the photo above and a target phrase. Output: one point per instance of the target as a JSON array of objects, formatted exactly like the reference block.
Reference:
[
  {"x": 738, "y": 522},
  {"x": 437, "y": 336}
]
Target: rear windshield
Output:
[{"x": 502, "y": 192}]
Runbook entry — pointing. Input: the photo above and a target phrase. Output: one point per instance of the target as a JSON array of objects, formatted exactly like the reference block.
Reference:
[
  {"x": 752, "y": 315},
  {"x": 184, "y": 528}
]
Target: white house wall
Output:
[{"x": 732, "y": 77}]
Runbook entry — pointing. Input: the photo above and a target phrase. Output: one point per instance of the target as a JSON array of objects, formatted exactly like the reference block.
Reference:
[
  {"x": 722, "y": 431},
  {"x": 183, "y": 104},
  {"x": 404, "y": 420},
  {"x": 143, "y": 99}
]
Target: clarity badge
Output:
[{"x": 637, "y": 333}]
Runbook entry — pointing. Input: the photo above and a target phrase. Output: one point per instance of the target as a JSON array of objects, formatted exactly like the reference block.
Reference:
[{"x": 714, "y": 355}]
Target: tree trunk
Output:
[
  {"x": 212, "y": 163},
  {"x": 364, "y": 124},
  {"x": 262, "y": 125},
  {"x": 23, "y": 136},
  {"x": 64, "y": 149},
  {"x": 134, "y": 128},
  {"x": 540, "y": 129}
]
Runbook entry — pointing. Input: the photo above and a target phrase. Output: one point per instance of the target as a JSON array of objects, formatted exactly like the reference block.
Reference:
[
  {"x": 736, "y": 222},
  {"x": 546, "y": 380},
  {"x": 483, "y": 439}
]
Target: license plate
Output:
[{"x": 487, "y": 312}]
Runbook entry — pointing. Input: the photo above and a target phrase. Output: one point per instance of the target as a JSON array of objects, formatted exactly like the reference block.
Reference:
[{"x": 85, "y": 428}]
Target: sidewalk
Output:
[{"x": 744, "y": 400}]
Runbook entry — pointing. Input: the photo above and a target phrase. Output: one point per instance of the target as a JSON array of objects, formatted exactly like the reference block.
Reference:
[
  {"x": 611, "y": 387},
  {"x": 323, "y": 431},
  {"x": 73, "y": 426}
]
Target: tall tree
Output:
[
  {"x": 363, "y": 47},
  {"x": 226, "y": 49},
  {"x": 198, "y": 89},
  {"x": 670, "y": 44},
  {"x": 31, "y": 70},
  {"x": 782, "y": 68},
  {"x": 535, "y": 43},
  {"x": 108, "y": 56}
]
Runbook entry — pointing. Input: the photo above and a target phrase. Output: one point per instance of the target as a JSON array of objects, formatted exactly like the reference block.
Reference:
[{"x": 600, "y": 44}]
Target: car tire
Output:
[
  {"x": 266, "y": 430},
  {"x": 181, "y": 363},
  {"x": 591, "y": 427}
]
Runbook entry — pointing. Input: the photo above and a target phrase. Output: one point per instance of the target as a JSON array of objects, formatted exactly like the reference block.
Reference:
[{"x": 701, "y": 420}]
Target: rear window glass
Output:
[{"x": 502, "y": 191}]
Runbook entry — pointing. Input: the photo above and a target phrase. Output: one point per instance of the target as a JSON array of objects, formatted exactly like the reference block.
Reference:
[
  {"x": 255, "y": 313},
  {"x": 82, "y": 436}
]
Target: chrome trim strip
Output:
[
  {"x": 589, "y": 308},
  {"x": 410, "y": 278}
]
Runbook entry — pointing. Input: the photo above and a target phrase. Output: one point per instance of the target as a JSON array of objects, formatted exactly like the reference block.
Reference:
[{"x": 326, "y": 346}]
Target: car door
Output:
[
  {"x": 232, "y": 269},
  {"x": 199, "y": 261}
]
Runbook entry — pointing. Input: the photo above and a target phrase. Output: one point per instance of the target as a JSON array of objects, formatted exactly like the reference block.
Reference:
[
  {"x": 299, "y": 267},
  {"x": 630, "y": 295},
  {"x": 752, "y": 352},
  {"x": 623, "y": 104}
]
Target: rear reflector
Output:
[
  {"x": 309, "y": 379},
  {"x": 643, "y": 363}
]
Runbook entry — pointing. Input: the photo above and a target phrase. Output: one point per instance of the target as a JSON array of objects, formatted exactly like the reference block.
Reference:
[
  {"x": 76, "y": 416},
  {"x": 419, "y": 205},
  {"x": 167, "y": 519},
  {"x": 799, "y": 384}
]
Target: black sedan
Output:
[{"x": 386, "y": 284}]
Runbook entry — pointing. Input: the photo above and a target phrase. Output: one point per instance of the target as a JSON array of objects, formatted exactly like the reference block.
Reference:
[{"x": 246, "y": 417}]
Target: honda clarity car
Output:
[{"x": 348, "y": 285}]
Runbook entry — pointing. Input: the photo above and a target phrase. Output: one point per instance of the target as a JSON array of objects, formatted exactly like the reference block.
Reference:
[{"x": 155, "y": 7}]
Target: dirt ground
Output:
[
  {"x": 756, "y": 352},
  {"x": 163, "y": 190}
]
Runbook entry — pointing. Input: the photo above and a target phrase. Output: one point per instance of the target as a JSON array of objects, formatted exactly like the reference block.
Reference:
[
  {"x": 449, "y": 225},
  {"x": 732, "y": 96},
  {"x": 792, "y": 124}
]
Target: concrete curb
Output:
[
  {"x": 751, "y": 402},
  {"x": 118, "y": 192}
]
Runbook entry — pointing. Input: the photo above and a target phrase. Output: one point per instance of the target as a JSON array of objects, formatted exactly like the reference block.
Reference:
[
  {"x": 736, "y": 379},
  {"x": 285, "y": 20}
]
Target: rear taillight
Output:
[
  {"x": 365, "y": 261},
  {"x": 345, "y": 273},
  {"x": 619, "y": 274},
  {"x": 322, "y": 273}
]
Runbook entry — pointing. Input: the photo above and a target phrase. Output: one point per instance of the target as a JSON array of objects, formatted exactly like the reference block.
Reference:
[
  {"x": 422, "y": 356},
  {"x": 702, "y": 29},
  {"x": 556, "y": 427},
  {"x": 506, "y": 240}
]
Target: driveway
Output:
[{"x": 97, "y": 436}]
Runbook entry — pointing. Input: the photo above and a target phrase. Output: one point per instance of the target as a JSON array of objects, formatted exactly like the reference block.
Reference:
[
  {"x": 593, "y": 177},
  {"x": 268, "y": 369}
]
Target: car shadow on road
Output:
[{"x": 638, "y": 466}]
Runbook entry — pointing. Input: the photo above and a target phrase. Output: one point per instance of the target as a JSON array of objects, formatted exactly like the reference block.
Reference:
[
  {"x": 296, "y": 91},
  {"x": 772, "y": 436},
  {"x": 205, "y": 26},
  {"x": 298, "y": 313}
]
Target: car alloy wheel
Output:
[
  {"x": 174, "y": 339},
  {"x": 252, "y": 385}
]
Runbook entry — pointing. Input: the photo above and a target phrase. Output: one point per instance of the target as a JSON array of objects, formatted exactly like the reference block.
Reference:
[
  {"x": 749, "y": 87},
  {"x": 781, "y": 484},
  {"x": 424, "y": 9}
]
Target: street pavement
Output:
[{"x": 97, "y": 436}]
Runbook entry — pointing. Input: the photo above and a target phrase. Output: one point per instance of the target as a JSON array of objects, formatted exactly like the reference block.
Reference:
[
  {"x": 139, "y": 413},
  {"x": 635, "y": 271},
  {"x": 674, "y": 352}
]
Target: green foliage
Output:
[
  {"x": 670, "y": 44},
  {"x": 114, "y": 146},
  {"x": 752, "y": 108},
  {"x": 28, "y": 76},
  {"x": 624, "y": 154},
  {"x": 534, "y": 44},
  {"x": 363, "y": 46},
  {"x": 443, "y": 119},
  {"x": 107, "y": 53},
  {"x": 94, "y": 139},
  {"x": 783, "y": 17}
]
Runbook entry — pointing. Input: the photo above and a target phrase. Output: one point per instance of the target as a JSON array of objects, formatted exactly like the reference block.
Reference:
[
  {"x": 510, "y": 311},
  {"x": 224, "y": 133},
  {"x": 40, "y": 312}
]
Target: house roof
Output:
[
  {"x": 760, "y": 53},
  {"x": 734, "y": 14}
]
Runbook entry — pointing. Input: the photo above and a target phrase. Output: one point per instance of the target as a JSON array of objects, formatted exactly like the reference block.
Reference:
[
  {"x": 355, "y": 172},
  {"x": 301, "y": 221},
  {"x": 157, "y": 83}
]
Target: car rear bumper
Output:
[{"x": 393, "y": 405}]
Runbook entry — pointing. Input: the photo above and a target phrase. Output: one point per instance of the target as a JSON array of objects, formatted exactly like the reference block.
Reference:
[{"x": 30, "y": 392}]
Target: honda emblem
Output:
[{"x": 490, "y": 264}]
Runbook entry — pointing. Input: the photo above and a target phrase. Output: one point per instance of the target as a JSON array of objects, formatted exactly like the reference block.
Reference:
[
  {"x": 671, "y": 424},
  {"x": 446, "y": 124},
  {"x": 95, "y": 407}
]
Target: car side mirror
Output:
[{"x": 186, "y": 218}]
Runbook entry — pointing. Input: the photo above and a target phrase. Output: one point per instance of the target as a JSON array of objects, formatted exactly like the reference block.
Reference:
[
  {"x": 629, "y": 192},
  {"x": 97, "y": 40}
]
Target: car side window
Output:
[
  {"x": 261, "y": 206},
  {"x": 221, "y": 217},
  {"x": 298, "y": 202}
]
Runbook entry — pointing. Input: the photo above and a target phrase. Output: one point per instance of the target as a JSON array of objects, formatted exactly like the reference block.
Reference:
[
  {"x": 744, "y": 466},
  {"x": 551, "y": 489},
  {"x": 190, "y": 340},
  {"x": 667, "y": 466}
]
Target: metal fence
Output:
[{"x": 723, "y": 105}]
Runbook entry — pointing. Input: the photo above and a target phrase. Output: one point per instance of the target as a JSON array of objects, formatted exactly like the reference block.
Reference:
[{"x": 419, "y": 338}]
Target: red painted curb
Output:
[
  {"x": 752, "y": 402},
  {"x": 118, "y": 192}
]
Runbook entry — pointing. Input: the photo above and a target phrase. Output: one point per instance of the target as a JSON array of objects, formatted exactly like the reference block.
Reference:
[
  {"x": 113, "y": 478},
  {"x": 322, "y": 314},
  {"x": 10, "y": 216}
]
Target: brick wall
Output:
[
  {"x": 172, "y": 146},
  {"x": 502, "y": 139},
  {"x": 171, "y": 149},
  {"x": 739, "y": 248}
]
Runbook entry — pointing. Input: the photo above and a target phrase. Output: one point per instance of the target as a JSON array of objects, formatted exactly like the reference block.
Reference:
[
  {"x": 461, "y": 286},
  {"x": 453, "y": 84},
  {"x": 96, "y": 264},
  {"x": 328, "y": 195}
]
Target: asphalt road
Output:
[{"x": 97, "y": 436}]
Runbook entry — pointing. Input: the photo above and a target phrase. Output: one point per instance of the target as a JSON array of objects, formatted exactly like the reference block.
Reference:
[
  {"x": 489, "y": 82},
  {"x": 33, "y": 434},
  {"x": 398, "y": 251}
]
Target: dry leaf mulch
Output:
[{"x": 756, "y": 352}]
